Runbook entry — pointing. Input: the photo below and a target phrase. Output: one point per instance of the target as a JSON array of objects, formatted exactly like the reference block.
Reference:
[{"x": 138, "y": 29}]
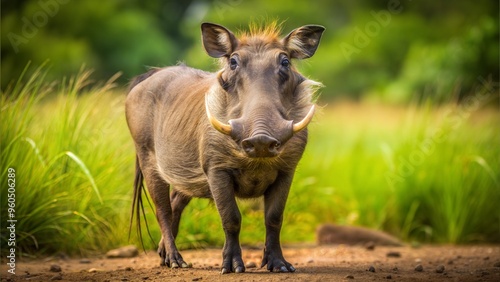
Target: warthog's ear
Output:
[
  {"x": 217, "y": 40},
  {"x": 303, "y": 41}
]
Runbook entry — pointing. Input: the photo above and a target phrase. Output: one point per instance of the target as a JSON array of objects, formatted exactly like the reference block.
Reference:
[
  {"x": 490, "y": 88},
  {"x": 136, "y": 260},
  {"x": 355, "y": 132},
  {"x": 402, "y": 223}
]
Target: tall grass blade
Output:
[{"x": 86, "y": 171}]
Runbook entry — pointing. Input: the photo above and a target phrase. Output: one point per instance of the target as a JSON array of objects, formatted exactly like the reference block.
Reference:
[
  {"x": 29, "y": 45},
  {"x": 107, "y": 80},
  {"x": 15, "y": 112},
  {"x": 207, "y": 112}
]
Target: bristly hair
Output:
[{"x": 267, "y": 29}]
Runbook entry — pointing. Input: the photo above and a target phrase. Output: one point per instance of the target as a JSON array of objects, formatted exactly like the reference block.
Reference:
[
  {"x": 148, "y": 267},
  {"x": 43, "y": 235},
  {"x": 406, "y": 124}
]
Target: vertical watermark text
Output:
[{"x": 11, "y": 220}]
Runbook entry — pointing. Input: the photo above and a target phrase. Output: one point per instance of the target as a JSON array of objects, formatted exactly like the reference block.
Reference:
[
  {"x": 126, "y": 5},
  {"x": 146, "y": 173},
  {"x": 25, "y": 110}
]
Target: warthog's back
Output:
[{"x": 166, "y": 116}]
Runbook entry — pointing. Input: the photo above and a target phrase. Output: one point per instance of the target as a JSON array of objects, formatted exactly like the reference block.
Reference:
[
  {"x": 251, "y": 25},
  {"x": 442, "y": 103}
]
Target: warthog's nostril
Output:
[
  {"x": 247, "y": 145},
  {"x": 275, "y": 145},
  {"x": 261, "y": 146}
]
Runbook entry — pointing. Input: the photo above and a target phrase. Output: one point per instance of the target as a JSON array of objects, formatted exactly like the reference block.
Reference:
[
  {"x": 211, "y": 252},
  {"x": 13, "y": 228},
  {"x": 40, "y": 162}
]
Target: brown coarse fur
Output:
[{"x": 182, "y": 153}]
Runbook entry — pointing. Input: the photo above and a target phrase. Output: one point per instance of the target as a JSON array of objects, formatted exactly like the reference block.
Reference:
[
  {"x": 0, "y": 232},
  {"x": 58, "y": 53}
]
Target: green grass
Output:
[
  {"x": 72, "y": 169},
  {"x": 74, "y": 162},
  {"x": 448, "y": 194}
]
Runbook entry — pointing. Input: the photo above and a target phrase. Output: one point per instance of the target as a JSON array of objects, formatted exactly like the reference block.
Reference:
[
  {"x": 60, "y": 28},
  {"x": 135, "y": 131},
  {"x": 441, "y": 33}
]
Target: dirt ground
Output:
[{"x": 313, "y": 263}]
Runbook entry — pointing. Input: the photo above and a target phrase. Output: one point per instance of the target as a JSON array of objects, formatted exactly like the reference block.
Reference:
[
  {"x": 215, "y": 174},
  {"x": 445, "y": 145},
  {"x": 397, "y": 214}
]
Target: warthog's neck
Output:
[{"x": 252, "y": 183}]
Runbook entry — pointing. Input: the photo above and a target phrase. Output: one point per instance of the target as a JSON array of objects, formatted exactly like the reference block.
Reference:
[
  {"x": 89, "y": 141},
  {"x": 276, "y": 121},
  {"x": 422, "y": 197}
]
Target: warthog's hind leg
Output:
[
  {"x": 159, "y": 190},
  {"x": 179, "y": 202}
]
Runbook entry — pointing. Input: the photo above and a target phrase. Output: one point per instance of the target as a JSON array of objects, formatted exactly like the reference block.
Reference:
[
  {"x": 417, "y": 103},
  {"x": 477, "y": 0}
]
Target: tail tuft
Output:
[{"x": 138, "y": 206}]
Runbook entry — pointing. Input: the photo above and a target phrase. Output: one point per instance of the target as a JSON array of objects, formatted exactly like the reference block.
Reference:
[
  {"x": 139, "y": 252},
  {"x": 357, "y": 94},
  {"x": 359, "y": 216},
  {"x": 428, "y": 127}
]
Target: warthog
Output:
[{"x": 239, "y": 132}]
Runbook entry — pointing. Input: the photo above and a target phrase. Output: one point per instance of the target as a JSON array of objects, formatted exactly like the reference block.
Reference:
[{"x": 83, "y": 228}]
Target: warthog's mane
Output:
[{"x": 269, "y": 31}]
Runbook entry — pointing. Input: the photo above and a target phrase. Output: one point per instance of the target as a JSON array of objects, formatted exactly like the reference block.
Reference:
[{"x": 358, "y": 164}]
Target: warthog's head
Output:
[{"x": 261, "y": 100}]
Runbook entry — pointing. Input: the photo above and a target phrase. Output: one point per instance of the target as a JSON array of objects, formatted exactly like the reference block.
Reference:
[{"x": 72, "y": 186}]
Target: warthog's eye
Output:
[
  {"x": 284, "y": 68},
  {"x": 285, "y": 62},
  {"x": 233, "y": 63}
]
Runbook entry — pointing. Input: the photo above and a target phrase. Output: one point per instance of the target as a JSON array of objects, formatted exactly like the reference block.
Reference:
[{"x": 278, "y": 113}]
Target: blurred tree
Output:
[
  {"x": 390, "y": 50},
  {"x": 108, "y": 36}
]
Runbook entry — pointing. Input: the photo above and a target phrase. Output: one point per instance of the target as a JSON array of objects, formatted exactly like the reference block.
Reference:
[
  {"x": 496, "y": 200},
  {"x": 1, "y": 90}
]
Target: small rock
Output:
[
  {"x": 250, "y": 264},
  {"x": 440, "y": 268},
  {"x": 93, "y": 270},
  {"x": 145, "y": 278},
  {"x": 371, "y": 268},
  {"x": 497, "y": 264},
  {"x": 123, "y": 252},
  {"x": 310, "y": 261},
  {"x": 124, "y": 279},
  {"x": 393, "y": 254},
  {"x": 197, "y": 279},
  {"x": 419, "y": 268},
  {"x": 55, "y": 268},
  {"x": 84, "y": 261},
  {"x": 128, "y": 268},
  {"x": 349, "y": 277},
  {"x": 450, "y": 262},
  {"x": 327, "y": 234},
  {"x": 418, "y": 260},
  {"x": 388, "y": 277},
  {"x": 370, "y": 246}
]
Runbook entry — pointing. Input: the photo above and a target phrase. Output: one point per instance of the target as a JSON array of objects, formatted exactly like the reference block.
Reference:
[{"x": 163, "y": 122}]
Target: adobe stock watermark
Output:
[
  {"x": 363, "y": 37},
  {"x": 11, "y": 220},
  {"x": 406, "y": 166},
  {"x": 223, "y": 6},
  {"x": 31, "y": 25}
]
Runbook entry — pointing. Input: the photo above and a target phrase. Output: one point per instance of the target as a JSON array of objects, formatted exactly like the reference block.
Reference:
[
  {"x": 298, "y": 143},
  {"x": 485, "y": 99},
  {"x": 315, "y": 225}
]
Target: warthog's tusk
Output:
[
  {"x": 304, "y": 122},
  {"x": 220, "y": 126}
]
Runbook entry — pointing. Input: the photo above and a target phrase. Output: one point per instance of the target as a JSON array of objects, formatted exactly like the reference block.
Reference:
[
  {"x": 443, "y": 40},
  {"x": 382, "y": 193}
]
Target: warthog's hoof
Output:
[
  {"x": 232, "y": 264},
  {"x": 174, "y": 260},
  {"x": 276, "y": 263},
  {"x": 174, "y": 264}
]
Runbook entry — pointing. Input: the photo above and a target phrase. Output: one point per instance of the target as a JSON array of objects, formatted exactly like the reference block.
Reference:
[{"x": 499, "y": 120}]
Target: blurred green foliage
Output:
[{"x": 394, "y": 50}]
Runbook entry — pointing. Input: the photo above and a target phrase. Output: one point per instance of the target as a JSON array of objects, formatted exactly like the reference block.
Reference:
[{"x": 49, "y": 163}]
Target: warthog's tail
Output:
[{"x": 137, "y": 204}]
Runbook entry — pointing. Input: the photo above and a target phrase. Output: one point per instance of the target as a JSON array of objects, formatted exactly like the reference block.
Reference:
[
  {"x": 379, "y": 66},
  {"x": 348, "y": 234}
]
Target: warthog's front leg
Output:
[
  {"x": 274, "y": 201},
  {"x": 222, "y": 188}
]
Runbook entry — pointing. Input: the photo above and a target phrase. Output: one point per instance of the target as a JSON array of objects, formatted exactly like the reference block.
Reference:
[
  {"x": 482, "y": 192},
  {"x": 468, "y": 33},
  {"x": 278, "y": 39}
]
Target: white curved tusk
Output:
[
  {"x": 304, "y": 122},
  {"x": 221, "y": 127}
]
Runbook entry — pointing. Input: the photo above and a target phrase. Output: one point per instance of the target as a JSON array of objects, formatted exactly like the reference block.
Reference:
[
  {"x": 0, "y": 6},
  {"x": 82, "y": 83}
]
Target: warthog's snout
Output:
[
  {"x": 263, "y": 142},
  {"x": 261, "y": 146}
]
